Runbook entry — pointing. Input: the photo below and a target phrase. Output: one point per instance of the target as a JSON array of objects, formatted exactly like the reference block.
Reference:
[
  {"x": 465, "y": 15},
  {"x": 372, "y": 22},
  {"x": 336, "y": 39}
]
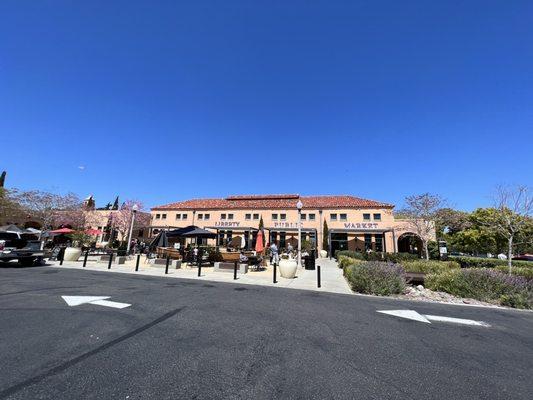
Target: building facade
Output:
[{"x": 353, "y": 223}]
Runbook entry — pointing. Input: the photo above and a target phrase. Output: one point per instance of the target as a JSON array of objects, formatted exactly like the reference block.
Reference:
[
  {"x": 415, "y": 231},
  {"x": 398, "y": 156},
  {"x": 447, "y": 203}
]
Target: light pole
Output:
[
  {"x": 299, "y": 206},
  {"x": 134, "y": 211}
]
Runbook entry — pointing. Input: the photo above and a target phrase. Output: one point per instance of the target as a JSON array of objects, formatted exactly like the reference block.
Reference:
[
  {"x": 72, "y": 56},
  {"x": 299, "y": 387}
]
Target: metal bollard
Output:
[
  {"x": 318, "y": 275},
  {"x": 235, "y": 270},
  {"x": 137, "y": 263},
  {"x": 274, "y": 276},
  {"x": 199, "y": 269},
  {"x": 110, "y": 260},
  {"x": 166, "y": 267},
  {"x": 85, "y": 258}
]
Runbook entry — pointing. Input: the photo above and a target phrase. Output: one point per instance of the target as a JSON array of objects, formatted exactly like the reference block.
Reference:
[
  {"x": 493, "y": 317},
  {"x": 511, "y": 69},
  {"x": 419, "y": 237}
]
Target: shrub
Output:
[
  {"x": 485, "y": 285},
  {"x": 345, "y": 261},
  {"x": 429, "y": 267},
  {"x": 433, "y": 250},
  {"x": 214, "y": 256},
  {"x": 399, "y": 257},
  {"x": 348, "y": 253},
  {"x": 473, "y": 262},
  {"x": 374, "y": 277},
  {"x": 520, "y": 271}
]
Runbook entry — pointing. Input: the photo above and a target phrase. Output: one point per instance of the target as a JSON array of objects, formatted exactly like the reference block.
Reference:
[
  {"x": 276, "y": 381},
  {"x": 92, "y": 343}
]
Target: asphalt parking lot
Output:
[{"x": 183, "y": 338}]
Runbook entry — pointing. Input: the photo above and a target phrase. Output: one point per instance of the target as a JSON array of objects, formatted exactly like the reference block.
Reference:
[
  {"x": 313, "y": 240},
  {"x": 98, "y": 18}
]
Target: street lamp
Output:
[
  {"x": 299, "y": 206},
  {"x": 134, "y": 211}
]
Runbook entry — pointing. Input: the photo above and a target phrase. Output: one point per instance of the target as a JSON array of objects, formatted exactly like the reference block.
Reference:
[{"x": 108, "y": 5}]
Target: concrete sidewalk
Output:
[{"x": 331, "y": 276}]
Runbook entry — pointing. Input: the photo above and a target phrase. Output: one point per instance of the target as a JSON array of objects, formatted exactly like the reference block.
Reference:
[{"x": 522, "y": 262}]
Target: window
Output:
[
  {"x": 163, "y": 216},
  {"x": 178, "y": 216},
  {"x": 333, "y": 217},
  {"x": 368, "y": 241},
  {"x": 379, "y": 242},
  {"x": 275, "y": 217},
  {"x": 248, "y": 216},
  {"x": 256, "y": 216},
  {"x": 230, "y": 216},
  {"x": 183, "y": 216},
  {"x": 157, "y": 216},
  {"x": 200, "y": 216},
  {"x": 220, "y": 240},
  {"x": 282, "y": 239},
  {"x": 377, "y": 217},
  {"x": 222, "y": 216},
  {"x": 311, "y": 217},
  {"x": 206, "y": 216},
  {"x": 366, "y": 217},
  {"x": 304, "y": 217},
  {"x": 283, "y": 217},
  {"x": 343, "y": 217}
]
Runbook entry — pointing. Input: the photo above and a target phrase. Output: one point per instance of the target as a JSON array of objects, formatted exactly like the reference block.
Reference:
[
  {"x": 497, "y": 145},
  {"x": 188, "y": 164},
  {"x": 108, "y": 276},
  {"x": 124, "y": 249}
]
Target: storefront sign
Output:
[
  {"x": 227, "y": 224},
  {"x": 360, "y": 225},
  {"x": 287, "y": 225}
]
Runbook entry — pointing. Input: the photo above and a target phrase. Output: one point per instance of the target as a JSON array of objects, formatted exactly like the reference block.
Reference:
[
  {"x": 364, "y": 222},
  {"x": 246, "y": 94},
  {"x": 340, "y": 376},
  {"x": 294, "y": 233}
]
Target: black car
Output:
[
  {"x": 524, "y": 257},
  {"x": 22, "y": 247}
]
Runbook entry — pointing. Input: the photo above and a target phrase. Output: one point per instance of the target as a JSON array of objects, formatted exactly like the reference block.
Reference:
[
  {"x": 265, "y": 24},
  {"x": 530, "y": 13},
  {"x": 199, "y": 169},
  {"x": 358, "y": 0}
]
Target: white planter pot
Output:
[
  {"x": 287, "y": 268},
  {"x": 72, "y": 254},
  {"x": 323, "y": 253}
]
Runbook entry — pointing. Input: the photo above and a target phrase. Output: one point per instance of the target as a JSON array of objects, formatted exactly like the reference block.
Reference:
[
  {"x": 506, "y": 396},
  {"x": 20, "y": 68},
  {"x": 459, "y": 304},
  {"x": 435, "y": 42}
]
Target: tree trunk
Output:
[
  {"x": 510, "y": 254},
  {"x": 426, "y": 251}
]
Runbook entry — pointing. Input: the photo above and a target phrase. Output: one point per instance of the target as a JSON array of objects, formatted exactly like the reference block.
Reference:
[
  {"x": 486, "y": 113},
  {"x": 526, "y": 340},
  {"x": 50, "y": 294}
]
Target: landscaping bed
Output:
[{"x": 444, "y": 281}]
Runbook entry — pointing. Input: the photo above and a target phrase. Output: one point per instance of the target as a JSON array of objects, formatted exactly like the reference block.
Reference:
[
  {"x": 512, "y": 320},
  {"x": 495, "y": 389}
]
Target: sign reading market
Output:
[{"x": 360, "y": 225}]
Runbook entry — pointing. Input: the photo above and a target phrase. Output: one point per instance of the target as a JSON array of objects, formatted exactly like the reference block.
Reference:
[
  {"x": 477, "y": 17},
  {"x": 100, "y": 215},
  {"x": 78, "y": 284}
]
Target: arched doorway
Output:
[
  {"x": 410, "y": 243},
  {"x": 32, "y": 224}
]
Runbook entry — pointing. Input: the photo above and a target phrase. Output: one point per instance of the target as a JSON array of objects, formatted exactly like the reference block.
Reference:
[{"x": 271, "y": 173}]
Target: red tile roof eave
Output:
[
  {"x": 270, "y": 208},
  {"x": 182, "y": 206}
]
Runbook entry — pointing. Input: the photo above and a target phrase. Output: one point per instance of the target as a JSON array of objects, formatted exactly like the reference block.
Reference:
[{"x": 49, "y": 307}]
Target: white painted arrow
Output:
[
  {"x": 73, "y": 301},
  {"x": 411, "y": 314}
]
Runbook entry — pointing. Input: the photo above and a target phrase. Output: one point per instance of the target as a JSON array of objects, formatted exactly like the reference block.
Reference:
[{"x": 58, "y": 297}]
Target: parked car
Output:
[
  {"x": 26, "y": 249},
  {"x": 524, "y": 257}
]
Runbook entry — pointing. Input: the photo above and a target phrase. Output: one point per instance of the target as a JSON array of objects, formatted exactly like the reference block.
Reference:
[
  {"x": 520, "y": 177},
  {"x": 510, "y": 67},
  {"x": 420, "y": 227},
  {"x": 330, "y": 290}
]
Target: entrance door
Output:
[{"x": 339, "y": 241}]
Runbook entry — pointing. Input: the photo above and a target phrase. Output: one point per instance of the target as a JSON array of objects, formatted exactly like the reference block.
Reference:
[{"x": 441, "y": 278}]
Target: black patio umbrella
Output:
[
  {"x": 199, "y": 233},
  {"x": 180, "y": 231},
  {"x": 160, "y": 240}
]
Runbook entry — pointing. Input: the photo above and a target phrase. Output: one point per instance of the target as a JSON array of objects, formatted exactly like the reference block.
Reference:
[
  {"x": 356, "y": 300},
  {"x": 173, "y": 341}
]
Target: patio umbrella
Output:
[
  {"x": 160, "y": 240},
  {"x": 199, "y": 233},
  {"x": 63, "y": 230},
  {"x": 93, "y": 232},
  {"x": 243, "y": 242},
  {"x": 181, "y": 231},
  {"x": 259, "y": 247},
  {"x": 10, "y": 229}
]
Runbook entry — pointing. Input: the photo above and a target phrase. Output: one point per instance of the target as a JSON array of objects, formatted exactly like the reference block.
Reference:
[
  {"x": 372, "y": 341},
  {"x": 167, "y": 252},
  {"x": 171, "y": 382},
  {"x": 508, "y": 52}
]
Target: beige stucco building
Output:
[{"x": 354, "y": 223}]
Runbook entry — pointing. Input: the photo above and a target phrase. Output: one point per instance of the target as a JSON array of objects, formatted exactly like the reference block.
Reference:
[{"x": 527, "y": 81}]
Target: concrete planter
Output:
[
  {"x": 72, "y": 254},
  {"x": 287, "y": 268},
  {"x": 323, "y": 253}
]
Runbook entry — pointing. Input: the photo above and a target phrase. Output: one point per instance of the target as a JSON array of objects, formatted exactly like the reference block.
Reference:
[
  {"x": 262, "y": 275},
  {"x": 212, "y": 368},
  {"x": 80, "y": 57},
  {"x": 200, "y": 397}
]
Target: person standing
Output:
[{"x": 274, "y": 253}]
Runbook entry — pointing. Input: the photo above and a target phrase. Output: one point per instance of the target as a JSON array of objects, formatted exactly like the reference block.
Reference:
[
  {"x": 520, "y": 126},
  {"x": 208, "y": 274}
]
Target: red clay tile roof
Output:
[{"x": 274, "y": 202}]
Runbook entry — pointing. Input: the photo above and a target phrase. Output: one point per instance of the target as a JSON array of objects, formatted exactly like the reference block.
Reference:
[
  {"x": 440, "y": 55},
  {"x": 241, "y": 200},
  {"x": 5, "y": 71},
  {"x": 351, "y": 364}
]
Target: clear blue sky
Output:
[{"x": 167, "y": 100}]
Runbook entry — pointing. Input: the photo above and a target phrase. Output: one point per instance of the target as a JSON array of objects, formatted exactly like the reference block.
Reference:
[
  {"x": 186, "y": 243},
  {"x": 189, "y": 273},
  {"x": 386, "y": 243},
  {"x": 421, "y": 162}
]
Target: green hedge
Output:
[
  {"x": 484, "y": 284},
  {"x": 348, "y": 253},
  {"x": 345, "y": 261},
  {"x": 429, "y": 267},
  {"x": 375, "y": 277},
  {"x": 377, "y": 256},
  {"x": 473, "y": 262}
]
